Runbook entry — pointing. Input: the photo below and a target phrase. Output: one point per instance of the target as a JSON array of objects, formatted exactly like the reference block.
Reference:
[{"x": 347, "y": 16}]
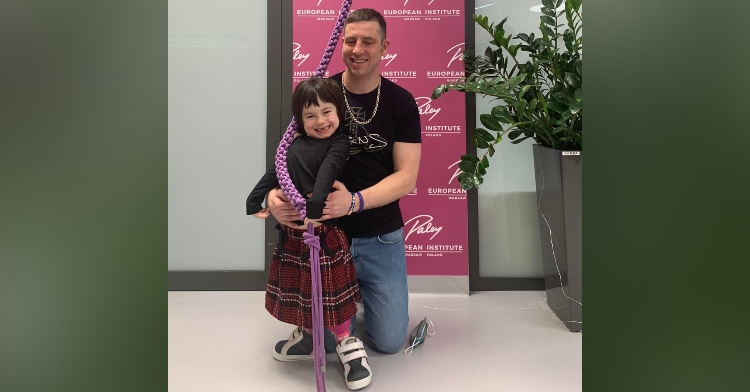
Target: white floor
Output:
[{"x": 489, "y": 341}]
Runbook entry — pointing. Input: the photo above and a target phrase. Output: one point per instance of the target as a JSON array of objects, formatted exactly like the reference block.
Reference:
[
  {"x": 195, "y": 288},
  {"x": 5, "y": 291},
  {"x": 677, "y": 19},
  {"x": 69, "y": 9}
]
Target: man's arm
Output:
[{"x": 406, "y": 157}]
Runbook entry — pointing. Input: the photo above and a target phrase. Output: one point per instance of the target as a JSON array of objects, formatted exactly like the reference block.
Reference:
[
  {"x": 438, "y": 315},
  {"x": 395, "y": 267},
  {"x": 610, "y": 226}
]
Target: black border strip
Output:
[{"x": 217, "y": 280}]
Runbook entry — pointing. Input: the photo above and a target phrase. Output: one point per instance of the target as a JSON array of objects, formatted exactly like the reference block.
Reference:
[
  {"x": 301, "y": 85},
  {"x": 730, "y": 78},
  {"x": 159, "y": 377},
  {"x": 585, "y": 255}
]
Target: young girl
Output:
[{"x": 315, "y": 159}]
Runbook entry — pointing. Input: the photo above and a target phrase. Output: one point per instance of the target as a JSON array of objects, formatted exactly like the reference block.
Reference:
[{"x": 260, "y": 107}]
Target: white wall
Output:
[
  {"x": 508, "y": 228},
  {"x": 217, "y": 132}
]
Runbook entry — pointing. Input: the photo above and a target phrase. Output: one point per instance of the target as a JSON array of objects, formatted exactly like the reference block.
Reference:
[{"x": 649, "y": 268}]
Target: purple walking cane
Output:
[{"x": 299, "y": 204}]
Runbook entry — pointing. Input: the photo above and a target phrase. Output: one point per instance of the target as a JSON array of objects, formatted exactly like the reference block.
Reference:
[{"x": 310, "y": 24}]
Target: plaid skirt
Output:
[{"x": 288, "y": 292}]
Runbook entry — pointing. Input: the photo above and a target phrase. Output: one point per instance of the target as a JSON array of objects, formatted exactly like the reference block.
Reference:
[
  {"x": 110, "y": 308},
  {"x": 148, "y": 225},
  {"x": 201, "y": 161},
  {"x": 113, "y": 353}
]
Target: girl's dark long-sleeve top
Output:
[{"x": 313, "y": 165}]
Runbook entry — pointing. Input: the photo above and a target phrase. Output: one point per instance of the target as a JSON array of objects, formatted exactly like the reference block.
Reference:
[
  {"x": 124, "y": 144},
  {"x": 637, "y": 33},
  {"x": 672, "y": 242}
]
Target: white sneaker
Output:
[{"x": 357, "y": 373}]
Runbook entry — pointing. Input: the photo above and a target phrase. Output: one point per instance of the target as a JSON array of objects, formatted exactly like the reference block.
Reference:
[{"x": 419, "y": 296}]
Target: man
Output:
[{"x": 383, "y": 122}]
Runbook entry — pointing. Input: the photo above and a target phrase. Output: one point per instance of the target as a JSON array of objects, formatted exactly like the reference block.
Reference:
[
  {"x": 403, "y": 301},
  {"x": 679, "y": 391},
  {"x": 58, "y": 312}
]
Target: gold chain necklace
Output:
[{"x": 351, "y": 114}]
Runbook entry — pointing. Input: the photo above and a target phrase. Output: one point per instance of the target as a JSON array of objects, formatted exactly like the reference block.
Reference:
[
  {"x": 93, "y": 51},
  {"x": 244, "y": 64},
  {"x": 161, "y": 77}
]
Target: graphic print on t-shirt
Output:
[{"x": 360, "y": 139}]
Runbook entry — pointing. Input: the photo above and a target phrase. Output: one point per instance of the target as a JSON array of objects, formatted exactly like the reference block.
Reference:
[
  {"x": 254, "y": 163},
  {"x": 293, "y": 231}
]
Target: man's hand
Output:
[
  {"x": 282, "y": 209},
  {"x": 337, "y": 203}
]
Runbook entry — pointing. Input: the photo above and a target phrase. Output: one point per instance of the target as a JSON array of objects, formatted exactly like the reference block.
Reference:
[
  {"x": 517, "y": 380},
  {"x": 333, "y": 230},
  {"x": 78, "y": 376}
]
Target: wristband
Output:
[
  {"x": 351, "y": 207},
  {"x": 361, "y": 202}
]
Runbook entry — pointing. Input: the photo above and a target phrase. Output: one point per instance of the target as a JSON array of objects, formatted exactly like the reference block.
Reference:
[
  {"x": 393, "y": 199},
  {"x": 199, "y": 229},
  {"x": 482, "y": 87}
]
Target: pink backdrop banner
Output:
[{"x": 427, "y": 41}]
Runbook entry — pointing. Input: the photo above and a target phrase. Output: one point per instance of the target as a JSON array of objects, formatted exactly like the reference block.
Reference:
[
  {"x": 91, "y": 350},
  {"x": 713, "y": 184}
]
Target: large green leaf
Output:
[
  {"x": 547, "y": 30},
  {"x": 499, "y": 38},
  {"x": 479, "y": 142},
  {"x": 438, "y": 91},
  {"x": 482, "y": 21},
  {"x": 513, "y": 49},
  {"x": 578, "y": 94},
  {"x": 502, "y": 114},
  {"x": 562, "y": 96},
  {"x": 520, "y": 140},
  {"x": 532, "y": 105},
  {"x": 572, "y": 79},
  {"x": 467, "y": 166},
  {"x": 512, "y": 135},
  {"x": 497, "y": 80},
  {"x": 497, "y": 92},
  {"x": 467, "y": 183},
  {"x": 490, "y": 122},
  {"x": 482, "y": 133},
  {"x": 569, "y": 39},
  {"x": 484, "y": 163},
  {"x": 557, "y": 106},
  {"x": 575, "y": 107},
  {"x": 548, "y": 20},
  {"x": 478, "y": 180},
  {"x": 548, "y": 4},
  {"x": 564, "y": 117},
  {"x": 511, "y": 83},
  {"x": 470, "y": 158}
]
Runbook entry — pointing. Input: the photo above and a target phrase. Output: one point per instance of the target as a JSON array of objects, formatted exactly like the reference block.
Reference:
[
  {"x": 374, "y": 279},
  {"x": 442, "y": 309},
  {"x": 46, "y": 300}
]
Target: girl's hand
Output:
[
  {"x": 308, "y": 220},
  {"x": 262, "y": 214}
]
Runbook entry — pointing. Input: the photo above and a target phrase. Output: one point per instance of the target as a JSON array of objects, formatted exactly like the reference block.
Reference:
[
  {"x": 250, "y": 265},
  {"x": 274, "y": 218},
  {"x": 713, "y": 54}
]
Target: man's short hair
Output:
[{"x": 367, "y": 15}]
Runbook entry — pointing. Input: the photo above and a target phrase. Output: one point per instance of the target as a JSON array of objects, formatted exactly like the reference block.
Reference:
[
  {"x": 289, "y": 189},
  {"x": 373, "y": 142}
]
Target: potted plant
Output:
[{"x": 541, "y": 99}]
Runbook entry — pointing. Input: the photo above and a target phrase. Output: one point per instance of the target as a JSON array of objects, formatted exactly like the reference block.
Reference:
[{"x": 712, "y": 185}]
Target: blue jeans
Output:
[{"x": 381, "y": 273}]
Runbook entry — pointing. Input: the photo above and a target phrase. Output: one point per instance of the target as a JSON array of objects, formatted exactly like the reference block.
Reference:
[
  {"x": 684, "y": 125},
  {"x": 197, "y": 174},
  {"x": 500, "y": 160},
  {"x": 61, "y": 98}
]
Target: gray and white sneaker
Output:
[
  {"x": 299, "y": 346},
  {"x": 357, "y": 373}
]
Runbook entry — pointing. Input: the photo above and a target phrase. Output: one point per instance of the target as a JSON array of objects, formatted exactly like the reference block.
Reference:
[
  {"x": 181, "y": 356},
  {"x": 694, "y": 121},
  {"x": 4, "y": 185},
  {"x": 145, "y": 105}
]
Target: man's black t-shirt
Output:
[{"x": 371, "y": 151}]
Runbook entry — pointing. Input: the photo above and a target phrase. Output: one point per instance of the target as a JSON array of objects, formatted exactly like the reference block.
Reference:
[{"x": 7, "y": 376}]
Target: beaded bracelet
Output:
[{"x": 351, "y": 207}]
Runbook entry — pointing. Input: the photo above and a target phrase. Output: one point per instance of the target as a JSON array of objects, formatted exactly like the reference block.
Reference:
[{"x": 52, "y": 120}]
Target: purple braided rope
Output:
[
  {"x": 281, "y": 172},
  {"x": 313, "y": 242},
  {"x": 299, "y": 204}
]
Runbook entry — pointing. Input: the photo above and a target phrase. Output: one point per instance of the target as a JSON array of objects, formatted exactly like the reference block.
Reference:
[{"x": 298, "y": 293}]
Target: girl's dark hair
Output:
[{"x": 307, "y": 93}]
